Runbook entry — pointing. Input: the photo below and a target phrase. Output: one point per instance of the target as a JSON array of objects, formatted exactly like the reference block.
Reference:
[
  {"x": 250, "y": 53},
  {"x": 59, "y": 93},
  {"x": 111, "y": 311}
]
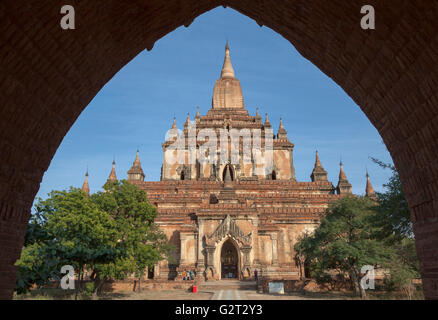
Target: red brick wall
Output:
[{"x": 49, "y": 75}]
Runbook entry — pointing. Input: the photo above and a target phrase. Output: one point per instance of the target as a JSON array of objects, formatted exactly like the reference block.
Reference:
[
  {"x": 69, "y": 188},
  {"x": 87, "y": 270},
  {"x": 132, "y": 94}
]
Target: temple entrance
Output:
[{"x": 229, "y": 261}]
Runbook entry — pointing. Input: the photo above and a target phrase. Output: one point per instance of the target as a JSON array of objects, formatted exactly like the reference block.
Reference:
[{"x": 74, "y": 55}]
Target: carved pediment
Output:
[{"x": 229, "y": 227}]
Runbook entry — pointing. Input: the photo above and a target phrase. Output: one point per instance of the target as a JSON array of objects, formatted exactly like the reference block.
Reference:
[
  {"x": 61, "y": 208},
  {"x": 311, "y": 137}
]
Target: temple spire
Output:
[
  {"x": 172, "y": 134},
  {"x": 112, "y": 176},
  {"x": 369, "y": 190},
  {"x": 227, "y": 68},
  {"x": 317, "y": 160},
  {"x": 227, "y": 92},
  {"x": 342, "y": 175},
  {"x": 344, "y": 187},
  {"x": 318, "y": 173},
  {"x": 136, "y": 172},
  {"x": 137, "y": 159},
  {"x": 267, "y": 123},
  {"x": 187, "y": 123},
  {"x": 282, "y": 133},
  {"x": 258, "y": 118},
  {"x": 85, "y": 186},
  {"x": 197, "y": 116}
]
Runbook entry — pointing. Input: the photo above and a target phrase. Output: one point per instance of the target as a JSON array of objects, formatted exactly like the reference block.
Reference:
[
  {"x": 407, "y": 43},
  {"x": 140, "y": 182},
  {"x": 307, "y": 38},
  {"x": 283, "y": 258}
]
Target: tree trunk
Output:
[
  {"x": 355, "y": 275},
  {"x": 139, "y": 284},
  {"x": 97, "y": 284},
  {"x": 78, "y": 284}
]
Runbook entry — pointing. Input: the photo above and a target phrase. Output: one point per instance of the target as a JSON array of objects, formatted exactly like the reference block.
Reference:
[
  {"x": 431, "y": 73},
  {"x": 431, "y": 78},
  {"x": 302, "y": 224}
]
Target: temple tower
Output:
[
  {"x": 227, "y": 92},
  {"x": 226, "y": 117},
  {"x": 112, "y": 175},
  {"x": 136, "y": 172},
  {"x": 85, "y": 186},
  {"x": 369, "y": 190},
  {"x": 318, "y": 173},
  {"x": 344, "y": 187}
]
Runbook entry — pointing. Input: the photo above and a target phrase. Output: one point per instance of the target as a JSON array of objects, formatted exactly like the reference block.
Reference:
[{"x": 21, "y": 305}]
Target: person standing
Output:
[{"x": 256, "y": 275}]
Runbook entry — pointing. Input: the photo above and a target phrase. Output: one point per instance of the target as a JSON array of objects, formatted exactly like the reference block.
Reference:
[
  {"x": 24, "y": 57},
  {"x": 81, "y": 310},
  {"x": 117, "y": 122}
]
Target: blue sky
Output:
[{"x": 136, "y": 107}]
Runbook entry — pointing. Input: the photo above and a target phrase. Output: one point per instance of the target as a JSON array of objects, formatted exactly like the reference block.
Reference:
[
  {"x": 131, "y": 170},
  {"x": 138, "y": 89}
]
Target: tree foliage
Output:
[
  {"x": 357, "y": 231},
  {"x": 345, "y": 241},
  {"x": 143, "y": 243},
  {"x": 395, "y": 215},
  {"x": 109, "y": 235}
]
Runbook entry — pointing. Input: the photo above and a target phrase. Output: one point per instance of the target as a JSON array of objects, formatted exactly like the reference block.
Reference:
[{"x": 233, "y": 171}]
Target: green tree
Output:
[
  {"x": 345, "y": 241},
  {"x": 404, "y": 268},
  {"x": 111, "y": 234},
  {"x": 140, "y": 238},
  {"x": 396, "y": 230},
  {"x": 71, "y": 230},
  {"x": 33, "y": 268},
  {"x": 395, "y": 217}
]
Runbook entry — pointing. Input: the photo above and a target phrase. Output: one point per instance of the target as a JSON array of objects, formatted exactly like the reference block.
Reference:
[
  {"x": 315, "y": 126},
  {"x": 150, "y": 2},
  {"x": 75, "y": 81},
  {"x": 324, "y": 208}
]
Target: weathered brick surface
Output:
[{"x": 48, "y": 76}]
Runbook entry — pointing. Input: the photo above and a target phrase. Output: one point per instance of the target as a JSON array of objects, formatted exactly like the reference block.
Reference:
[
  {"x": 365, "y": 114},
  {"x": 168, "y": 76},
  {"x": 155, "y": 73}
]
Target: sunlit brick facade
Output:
[{"x": 226, "y": 219}]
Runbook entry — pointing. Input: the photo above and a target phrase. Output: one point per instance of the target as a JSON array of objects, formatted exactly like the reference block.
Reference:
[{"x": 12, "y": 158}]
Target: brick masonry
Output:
[{"x": 49, "y": 75}]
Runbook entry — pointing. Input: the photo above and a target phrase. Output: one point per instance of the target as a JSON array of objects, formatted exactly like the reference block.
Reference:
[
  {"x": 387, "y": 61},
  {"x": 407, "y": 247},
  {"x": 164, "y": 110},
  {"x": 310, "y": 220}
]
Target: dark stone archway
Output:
[
  {"x": 229, "y": 260},
  {"x": 49, "y": 75}
]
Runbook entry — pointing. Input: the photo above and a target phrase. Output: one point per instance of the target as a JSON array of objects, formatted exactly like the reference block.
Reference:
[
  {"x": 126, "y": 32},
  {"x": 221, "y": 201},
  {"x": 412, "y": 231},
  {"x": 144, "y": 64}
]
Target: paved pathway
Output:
[{"x": 232, "y": 294}]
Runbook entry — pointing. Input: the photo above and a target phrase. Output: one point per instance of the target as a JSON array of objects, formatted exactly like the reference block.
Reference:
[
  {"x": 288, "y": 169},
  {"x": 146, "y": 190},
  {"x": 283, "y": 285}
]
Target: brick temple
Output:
[{"x": 225, "y": 219}]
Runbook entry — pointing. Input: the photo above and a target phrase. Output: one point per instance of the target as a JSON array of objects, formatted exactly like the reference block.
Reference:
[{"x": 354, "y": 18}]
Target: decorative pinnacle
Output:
[
  {"x": 369, "y": 190},
  {"x": 257, "y": 114},
  {"x": 317, "y": 161},
  {"x": 267, "y": 123},
  {"x": 342, "y": 175},
  {"x": 227, "y": 68}
]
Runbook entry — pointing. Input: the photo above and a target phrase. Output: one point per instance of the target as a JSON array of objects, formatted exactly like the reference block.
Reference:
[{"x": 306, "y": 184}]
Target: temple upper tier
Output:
[
  {"x": 227, "y": 113},
  {"x": 227, "y": 92}
]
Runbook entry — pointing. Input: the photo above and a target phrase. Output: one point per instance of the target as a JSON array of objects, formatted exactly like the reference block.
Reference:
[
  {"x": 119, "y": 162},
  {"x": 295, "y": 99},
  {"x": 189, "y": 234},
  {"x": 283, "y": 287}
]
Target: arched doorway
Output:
[
  {"x": 224, "y": 172},
  {"x": 229, "y": 261}
]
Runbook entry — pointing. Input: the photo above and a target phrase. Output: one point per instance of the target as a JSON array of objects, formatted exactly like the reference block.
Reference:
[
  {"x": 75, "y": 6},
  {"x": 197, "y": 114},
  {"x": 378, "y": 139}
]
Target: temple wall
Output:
[
  {"x": 282, "y": 161},
  {"x": 206, "y": 170},
  {"x": 288, "y": 236},
  {"x": 265, "y": 249},
  {"x": 191, "y": 248}
]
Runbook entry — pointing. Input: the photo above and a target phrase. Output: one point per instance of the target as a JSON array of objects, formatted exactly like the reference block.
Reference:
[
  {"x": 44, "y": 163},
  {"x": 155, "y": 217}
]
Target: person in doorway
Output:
[{"x": 256, "y": 273}]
